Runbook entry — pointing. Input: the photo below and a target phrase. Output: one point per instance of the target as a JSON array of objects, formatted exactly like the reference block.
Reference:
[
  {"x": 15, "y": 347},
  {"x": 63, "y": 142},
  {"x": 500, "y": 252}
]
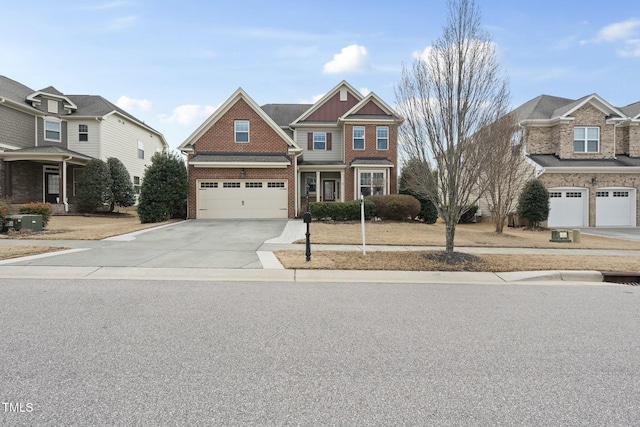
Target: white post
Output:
[{"x": 364, "y": 244}]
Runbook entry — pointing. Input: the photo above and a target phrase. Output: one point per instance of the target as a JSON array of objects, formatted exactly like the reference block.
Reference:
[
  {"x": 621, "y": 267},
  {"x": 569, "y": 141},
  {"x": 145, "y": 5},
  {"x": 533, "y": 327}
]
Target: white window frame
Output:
[
  {"x": 371, "y": 178},
  {"x": 237, "y": 132},
  {"x": 137, "y": 184},
  {"x": 363, "y": 138},
  {"x": 141, "y": 149},
  {"x": 58, "y": 123},
  {"x": 585, "y": 141},
  {"x": 321, "y": 139},
  {"x": 379, "y": 138}
]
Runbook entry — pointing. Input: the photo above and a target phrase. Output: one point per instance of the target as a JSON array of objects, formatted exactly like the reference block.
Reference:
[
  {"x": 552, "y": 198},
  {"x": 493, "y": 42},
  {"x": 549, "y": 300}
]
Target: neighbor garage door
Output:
[
  {"x": 615, "y": 207},
  {"x": 242, "y": 199},
  {"x": 568, "y": 207}
]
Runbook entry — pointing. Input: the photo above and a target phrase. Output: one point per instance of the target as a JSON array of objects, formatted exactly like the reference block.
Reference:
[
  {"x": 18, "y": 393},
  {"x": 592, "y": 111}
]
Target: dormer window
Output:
[
  {"x": 586, "y": 139},
  {"x": 52, "y": 130},
  {"x": 52, "y": 106}
]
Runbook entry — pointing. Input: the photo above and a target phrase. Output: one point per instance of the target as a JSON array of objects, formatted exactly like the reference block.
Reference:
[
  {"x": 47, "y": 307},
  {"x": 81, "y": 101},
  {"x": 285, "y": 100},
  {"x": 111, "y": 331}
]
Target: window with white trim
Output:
[
  {"x": 253, "y": 185},
  {"x": 319, "y": 141},
  {"x": 586, "y": 139},
  {"x": 241, "y": 130},
  {"x": 230, "y": 185},
  {"x": 275, "y": 185},
  {"x": 140, "y": 149},
  {"x": 358, "y": 137},
  {"x": 52, "y": 130},
  {"x": 372, "y": 183},
  {"x": 83, "y": 133},
  {"x": 311, "y": 182},
  {"x": 208, "y": 184},
  {"x": 382, "y": 137},
  {"x": 136, "y": 184}
]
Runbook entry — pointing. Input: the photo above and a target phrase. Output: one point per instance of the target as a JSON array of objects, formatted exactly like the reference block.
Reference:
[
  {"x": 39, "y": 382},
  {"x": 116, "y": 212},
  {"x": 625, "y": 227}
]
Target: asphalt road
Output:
[{"x": 90, "y": 352}]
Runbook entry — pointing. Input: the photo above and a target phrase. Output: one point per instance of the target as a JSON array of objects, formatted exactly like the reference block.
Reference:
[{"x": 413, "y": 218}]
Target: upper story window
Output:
[
  {"x": 83, "y": 132},
  {"x": 586, "y": 139},
  {"x": 140, "y": 149},
  {"x": 319, "y": 141},
  {"x": 242, "y": 130},
  {"x": 52, "y": 130},
  {"x": 382, "y": 137},
  {"x": 358, "y": 137}
]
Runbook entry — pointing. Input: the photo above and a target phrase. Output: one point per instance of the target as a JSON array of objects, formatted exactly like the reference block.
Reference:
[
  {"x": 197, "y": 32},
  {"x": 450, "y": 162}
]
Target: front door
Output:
[
  {"x": 329, "y": 190},
  {"x": 51, "y": 187}
]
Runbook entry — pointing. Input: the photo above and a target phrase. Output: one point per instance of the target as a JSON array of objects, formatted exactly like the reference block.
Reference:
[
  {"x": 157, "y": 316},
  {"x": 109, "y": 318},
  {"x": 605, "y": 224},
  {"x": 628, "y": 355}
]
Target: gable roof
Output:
[
  {"x": 353, "y": 113},
  {"x": 632, "y": 110},
  {"x": 342, "y": 85},
  {"x": 285, "y": 114},
  {"x": 231, "y": 101},
  {"x": 551, "y": 108}
]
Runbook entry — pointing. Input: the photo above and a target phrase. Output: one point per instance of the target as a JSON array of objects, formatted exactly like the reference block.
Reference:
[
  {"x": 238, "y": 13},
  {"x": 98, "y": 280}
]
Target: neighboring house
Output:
[
  {"x": 46, "y": 137},
  {"x": 587, "y": 153},
  {"x": 247, "y": 161}
]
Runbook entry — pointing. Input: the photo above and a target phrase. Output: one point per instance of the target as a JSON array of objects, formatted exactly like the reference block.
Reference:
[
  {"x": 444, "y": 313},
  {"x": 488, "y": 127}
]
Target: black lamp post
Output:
[{"x": 307, "y": 220}]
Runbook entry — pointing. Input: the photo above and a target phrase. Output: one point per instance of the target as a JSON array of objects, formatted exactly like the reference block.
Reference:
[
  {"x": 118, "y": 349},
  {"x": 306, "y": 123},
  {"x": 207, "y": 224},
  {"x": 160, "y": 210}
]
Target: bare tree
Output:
[
  {"x": 505, "y": 172},
  {"x": 446, "y": 98}
]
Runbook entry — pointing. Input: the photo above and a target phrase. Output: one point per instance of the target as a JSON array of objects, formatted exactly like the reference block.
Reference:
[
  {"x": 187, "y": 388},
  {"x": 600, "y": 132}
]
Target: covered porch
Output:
[{"x": 326, "y": 183}]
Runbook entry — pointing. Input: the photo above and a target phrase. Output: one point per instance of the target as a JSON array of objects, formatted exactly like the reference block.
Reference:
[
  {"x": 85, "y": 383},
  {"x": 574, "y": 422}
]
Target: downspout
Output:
[
  {"x": 64, "y": 184},
  {"x": 614, "y": 138}
]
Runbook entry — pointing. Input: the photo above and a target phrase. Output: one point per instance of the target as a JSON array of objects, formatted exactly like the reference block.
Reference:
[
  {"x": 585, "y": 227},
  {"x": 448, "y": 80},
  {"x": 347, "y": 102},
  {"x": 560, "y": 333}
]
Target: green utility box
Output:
[
  {"x": 560, "y": 236},
  {"x": 23, "y": 222}
]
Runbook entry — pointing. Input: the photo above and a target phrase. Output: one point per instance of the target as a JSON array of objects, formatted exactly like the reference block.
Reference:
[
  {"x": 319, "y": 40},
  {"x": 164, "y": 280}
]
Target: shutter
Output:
[
  {"x": 310, "y": 141},
  {"x": 328, "y": 141}
]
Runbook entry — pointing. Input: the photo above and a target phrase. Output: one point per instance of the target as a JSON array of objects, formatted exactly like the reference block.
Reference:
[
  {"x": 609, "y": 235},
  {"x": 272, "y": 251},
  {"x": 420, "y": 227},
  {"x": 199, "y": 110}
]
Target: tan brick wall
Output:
[
  {"x": 583, "y": 180},
  {"x": 540, "y": 140},
  {"x": 634, "y": 140}
]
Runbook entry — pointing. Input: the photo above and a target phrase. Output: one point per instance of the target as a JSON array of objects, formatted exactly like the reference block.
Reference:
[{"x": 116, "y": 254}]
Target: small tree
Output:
[
  {"x": 505, "y": 172},
  {"x": 121, "y": 193},
  {"x": 534, "y": 202},
  {"x": 164, "y": 189},
  {"x": 428, "y": 212},
  {"x": 446, "y": 98},
  {"x": 93, "y": 186}
]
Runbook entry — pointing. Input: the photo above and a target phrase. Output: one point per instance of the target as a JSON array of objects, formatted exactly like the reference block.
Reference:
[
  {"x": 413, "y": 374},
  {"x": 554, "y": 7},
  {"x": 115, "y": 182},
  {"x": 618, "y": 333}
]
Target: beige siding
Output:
[
  {"x": 120, "y": 138},
  {"x": 90, "y": 147},
  {"x": 337, "y": 146}
]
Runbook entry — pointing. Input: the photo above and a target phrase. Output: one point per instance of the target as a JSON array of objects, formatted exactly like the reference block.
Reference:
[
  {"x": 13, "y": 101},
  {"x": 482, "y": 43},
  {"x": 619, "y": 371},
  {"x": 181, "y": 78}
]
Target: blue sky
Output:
[{"x": 171, "y": 63}]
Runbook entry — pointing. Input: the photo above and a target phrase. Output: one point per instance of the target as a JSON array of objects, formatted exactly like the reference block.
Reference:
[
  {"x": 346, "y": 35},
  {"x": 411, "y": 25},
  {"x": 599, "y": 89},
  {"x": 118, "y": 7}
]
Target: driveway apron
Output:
[{"x": 228, "y": 244}]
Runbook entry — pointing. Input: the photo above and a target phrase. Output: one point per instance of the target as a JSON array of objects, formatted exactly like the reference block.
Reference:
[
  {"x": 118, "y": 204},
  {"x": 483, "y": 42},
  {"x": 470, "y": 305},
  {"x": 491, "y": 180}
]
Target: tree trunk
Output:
[
  {"x": 499, "y": 223},
  {"x": 450, "y": 235}
]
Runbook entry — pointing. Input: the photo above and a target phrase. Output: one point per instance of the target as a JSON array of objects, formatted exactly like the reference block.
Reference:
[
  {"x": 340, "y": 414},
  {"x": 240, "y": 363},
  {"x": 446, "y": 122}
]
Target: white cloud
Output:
[
  {"x": 189, "y": 114},
  {"x": 619, "y": 30},
  {"x": 352, "y": 58},
  {"x": 625, "y": 34},
  {"x": 424, "y": 55},
  {"x": 313, "y": 100},
  {"x": 127, "y": 103},
  {"x": 364, "y": 91}
]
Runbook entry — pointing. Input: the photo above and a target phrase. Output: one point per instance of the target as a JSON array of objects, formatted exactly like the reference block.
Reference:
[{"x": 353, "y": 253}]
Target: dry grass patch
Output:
[
  {"x": 7, "y": 252},
  {"x": 470, "y": 235},
  {"x": 92, "y": 227},
  {"x": 416, "y": 261}
]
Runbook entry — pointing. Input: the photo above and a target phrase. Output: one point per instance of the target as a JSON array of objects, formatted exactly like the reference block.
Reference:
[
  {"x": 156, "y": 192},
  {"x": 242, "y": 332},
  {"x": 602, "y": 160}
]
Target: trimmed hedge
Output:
[
  {"x": 37, "y": 208},
  {"x": 396, "y": 207},
  {"x": 5, "y": 209},
  {"x": 342, "y": 211}
]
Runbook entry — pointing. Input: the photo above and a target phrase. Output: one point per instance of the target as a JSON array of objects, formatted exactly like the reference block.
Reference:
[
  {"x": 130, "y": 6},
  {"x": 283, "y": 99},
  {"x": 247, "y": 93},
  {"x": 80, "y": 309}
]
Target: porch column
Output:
[
  {"x": 318, "y": 186},
  {"x": 342, "y": 185}
]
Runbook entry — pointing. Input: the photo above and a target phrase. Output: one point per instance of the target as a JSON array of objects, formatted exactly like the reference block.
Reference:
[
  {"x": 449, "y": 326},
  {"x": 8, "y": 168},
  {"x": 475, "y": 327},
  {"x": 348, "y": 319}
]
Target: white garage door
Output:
[
  {"x": 242, "y": 199},
  {"x": 568, "y": 207},
  {"x": 616, "y": 207}
]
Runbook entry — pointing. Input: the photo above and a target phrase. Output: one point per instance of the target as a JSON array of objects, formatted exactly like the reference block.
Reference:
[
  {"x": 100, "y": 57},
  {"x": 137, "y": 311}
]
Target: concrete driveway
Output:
[
  {"x": 624, "y": 233},
  {"x": 228, "y": 244}
]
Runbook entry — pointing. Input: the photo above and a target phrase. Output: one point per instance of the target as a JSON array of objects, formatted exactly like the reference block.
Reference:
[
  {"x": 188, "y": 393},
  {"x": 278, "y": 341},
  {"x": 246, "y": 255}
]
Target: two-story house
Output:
[
  {"x": 247, "y": 161},
  {"x": 46, "y": 137},
  {"x": 587, "y": 153}
]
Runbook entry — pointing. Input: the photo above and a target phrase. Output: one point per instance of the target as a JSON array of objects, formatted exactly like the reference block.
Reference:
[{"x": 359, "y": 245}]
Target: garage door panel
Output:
[
  {"x": 242, "y": 199},
  {"x": 568, "y": 207},
  {"x": 615, "y": 207}
]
